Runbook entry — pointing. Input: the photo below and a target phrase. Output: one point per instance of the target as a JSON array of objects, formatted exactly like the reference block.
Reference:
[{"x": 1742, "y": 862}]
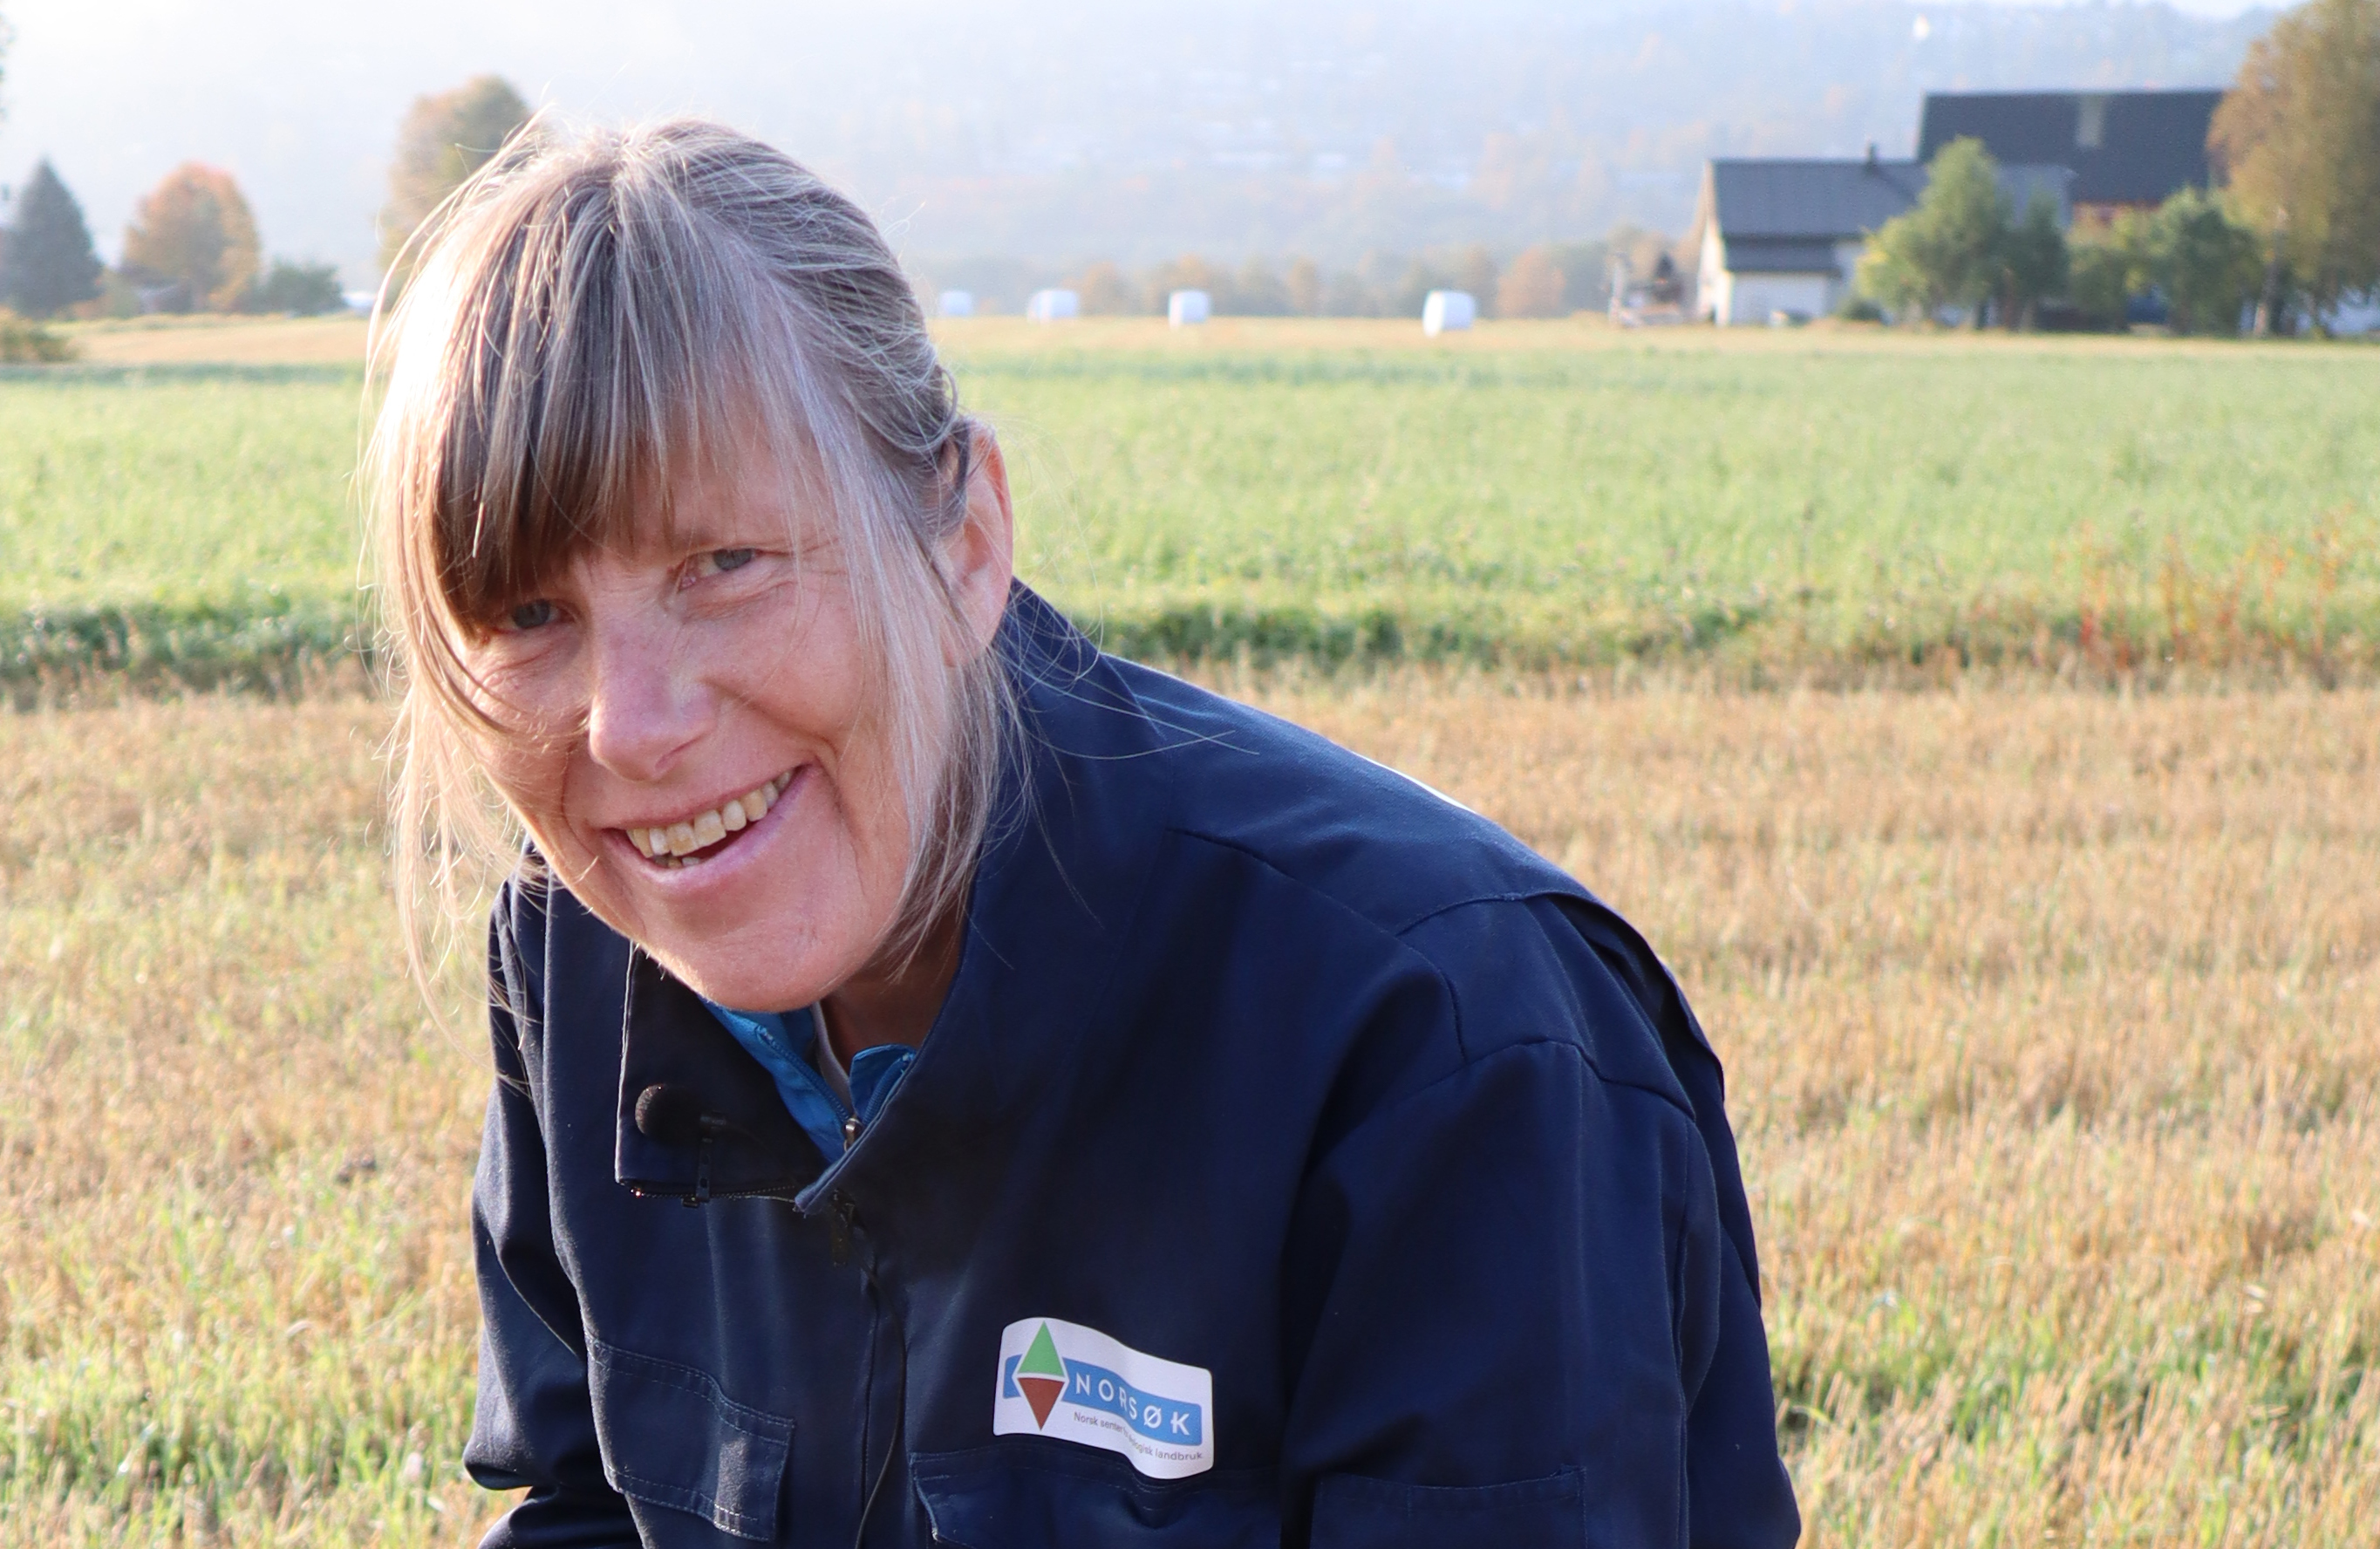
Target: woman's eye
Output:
[
  {"x": 718, "y": 560},
  {"x": 530, "y": 616}
]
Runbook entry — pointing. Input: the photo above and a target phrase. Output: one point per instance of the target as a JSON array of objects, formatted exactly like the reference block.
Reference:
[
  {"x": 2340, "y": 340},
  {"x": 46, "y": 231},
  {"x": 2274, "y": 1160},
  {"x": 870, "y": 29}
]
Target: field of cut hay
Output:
[
  {"x": 2050, "y": 996},
  {"x": 2052, "y": 1023}
]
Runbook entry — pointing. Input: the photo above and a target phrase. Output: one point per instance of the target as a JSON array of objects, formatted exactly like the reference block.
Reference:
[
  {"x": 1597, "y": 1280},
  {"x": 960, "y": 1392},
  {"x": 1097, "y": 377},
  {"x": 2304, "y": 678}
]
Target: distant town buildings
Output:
[{"x": 1783, "y": 236}]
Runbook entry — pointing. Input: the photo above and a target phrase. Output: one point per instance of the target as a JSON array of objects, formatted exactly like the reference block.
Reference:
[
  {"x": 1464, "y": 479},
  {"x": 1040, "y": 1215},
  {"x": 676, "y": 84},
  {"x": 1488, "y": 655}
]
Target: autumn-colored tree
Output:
[
  {"x": 2298, "y": 138},
  {"x": 193, "y": 233},
  {"x": 1104, "y": 291},
  {"x": 1306, "y": 293},
  {"x": 444, "y": 139},
  {"x": 1533, "y": 287},
  {"x": 1187, "y": 273}
]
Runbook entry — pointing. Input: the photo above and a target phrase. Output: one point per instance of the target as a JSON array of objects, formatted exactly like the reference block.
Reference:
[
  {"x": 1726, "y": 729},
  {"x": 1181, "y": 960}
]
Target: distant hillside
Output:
[
  {"x": 1335, "y": 127},
  {"x": 1046, "y": 132}
]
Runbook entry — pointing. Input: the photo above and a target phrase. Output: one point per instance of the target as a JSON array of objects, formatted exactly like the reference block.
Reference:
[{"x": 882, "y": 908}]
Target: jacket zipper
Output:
[{"x": 840, "y": 1212}]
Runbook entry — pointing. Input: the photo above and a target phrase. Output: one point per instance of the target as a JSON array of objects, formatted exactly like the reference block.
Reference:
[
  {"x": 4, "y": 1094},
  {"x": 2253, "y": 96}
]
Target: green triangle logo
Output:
[{"x": 1041, "y": 1358}]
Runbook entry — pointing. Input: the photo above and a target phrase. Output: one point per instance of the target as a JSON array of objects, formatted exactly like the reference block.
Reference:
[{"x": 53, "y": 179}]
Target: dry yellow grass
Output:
[
  {"x": 235, "y": 341},
  {"x": 2050, "y": 1020},
  {"x": 318, "y": 341},
  {"x": 2053, "y": 1033},
  {"x": 1586, "y": 331},
  {"x": 235, "y": 1269}
]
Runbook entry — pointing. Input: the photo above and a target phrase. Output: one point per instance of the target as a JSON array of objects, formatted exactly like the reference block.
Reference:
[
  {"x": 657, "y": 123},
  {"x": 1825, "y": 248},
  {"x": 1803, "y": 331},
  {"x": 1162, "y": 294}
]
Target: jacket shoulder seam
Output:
[
  {"x": 1394, "y": 937},
  {"x": 1472, "y": 1064},
  {"x": 1443, "y": 905}
]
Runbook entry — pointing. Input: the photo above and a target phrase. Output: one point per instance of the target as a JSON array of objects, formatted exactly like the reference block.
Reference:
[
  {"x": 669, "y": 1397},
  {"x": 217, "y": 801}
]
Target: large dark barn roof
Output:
[
  {"x": 1801, "y": 201},
  {"x": 2125, "y": 147}
]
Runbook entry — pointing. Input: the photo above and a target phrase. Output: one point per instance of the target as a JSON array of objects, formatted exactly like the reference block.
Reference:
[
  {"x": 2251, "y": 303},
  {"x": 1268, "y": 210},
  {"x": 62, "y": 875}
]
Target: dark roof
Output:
[
  {"x": 1809, "y": 200},
  {"x": 1771, "y": 255},
  {"x": 1785, "y": 217},
  {"x": 2125, "y": 147}
]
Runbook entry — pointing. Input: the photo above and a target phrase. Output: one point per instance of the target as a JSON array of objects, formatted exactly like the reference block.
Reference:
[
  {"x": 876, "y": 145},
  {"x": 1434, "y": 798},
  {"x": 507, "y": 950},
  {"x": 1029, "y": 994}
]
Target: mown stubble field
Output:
[{"x": 2051, "y": 1017}]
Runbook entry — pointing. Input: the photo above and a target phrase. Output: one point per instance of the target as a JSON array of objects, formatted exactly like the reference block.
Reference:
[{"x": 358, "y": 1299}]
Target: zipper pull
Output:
[
  {"x": 713, "y": 1127},
  {"x": 851, "y": 1128},
  {"x": 838, "y": 1226}
]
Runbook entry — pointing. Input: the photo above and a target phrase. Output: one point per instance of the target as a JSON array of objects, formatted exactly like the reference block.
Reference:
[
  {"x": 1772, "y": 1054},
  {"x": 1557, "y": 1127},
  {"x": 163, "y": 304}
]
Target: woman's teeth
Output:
[{"x": 676, "y": 844}]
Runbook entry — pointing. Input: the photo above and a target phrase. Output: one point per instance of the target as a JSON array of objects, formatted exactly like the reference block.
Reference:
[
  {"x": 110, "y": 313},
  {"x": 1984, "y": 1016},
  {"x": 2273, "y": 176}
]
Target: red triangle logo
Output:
[{"x": 1042, "y": 1394}]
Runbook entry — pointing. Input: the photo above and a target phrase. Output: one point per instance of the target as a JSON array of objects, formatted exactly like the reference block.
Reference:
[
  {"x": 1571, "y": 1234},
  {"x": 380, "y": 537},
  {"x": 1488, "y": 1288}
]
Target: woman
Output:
[{"x": 953, "y": 1085}]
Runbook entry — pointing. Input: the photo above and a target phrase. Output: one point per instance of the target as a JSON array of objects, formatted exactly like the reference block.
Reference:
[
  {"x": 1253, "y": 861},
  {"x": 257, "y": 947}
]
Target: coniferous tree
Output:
[{"x": 47, "y": 263}]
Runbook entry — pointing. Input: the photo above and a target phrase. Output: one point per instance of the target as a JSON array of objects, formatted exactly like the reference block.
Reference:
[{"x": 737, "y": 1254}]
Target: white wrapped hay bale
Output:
[
  {"x": 956, "y": 303},
  {"x": 1447, "y": 310},
  {"x": 1187, "y": 308},
  {"x": 1053, "y": 306}
]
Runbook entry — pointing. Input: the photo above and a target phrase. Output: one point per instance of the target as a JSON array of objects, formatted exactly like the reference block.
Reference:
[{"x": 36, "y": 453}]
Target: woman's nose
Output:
[{"x": 643, "y": 709}]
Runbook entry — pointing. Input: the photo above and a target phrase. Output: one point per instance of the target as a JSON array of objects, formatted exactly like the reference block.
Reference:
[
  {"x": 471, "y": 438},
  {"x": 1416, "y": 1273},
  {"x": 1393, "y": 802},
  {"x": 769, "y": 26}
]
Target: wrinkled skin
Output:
[{"x": 656, "y": 684}]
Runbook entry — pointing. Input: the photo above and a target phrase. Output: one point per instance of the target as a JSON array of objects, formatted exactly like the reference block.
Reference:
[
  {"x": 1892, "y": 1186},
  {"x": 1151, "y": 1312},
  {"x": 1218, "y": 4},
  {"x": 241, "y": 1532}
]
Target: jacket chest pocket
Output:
[
  {"x": 1037, "y": 1495},
  {"x": 673, "y": 1440}
]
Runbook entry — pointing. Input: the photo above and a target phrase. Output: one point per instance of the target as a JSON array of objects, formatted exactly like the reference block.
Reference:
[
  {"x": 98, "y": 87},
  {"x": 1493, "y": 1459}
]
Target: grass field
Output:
[
  {"x": 2051, "y": 1006},
  {"x": 2051, "y": 1016},
  {"x": 1554, "y": 494}
]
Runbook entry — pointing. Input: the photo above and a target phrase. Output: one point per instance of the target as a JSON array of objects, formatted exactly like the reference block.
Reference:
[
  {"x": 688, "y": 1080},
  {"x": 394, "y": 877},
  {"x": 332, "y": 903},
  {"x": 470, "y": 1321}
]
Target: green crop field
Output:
[{"x": 1538, "y": 494}]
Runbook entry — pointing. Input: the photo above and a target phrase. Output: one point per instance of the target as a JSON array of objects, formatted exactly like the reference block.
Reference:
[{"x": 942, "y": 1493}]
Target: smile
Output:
[{"x": 689, "y": 841}]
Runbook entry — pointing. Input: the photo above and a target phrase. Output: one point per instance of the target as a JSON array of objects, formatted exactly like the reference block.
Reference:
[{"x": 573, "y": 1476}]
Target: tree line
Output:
[
  {"x": 192, "y": 245},
  {"x": 2290, "y": 229},
  {"x": 1548, "y": 279}
]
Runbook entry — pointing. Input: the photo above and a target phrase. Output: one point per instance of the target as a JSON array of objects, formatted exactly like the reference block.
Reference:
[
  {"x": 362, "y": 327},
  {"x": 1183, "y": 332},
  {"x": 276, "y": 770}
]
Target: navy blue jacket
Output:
[{"x": 1297, "y": 1159}]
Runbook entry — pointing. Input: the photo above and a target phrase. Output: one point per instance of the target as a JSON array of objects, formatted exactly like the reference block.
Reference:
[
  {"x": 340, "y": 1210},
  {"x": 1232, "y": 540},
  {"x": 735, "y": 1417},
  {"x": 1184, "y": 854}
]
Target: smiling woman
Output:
[
  {"x": 655, "y": 554},
  {"x": 1114, "y": 1116}
]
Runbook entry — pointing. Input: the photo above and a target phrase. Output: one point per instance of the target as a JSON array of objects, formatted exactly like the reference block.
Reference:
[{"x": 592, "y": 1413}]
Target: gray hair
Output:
[{"x": 590, "y": 316}]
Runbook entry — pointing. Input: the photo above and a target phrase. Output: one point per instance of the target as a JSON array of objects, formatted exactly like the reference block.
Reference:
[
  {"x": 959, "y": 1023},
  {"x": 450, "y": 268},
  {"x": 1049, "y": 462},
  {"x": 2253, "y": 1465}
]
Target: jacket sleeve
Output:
[
  {"x": 1535, "y": 1330},
  {"x": 534, "y": 1426}
]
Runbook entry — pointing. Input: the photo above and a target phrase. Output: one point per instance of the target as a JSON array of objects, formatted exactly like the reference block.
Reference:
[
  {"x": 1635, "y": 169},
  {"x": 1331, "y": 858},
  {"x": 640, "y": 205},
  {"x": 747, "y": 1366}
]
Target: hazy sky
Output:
[{"x": 300, "y": 100}]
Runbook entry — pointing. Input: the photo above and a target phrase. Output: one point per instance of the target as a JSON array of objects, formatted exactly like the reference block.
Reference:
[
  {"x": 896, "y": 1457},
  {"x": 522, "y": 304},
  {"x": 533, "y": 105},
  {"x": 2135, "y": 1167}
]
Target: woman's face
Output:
[{"x": 710, "y": 771}]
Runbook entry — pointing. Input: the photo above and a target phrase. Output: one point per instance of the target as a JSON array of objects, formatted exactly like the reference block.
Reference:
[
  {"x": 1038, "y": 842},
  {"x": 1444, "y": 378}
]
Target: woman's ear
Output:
[{"x": 979, "y": 559}]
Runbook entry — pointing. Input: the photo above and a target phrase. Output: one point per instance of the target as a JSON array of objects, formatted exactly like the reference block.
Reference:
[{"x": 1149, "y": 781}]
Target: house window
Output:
[{"x": 2091, "y": 121}]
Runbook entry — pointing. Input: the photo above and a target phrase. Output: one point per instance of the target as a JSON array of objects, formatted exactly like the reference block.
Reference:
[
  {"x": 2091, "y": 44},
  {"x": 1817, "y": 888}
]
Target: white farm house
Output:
[{"x": 1782, "y": 236}]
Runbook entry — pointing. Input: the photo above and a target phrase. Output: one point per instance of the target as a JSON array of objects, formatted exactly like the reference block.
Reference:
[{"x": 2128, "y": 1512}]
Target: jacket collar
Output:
[
  {"x": 671, "y": 1042},
  {"x": 1079, "y": 819}
]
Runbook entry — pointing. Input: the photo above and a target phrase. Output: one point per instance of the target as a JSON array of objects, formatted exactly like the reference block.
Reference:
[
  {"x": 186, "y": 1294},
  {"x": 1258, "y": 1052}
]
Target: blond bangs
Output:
[{"x": 591, "y": 321}]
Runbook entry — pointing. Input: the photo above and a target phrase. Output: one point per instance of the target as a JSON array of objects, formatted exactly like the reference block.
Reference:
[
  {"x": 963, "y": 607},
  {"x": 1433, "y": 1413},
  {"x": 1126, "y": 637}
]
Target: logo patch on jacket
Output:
[{"x": 1060, "y": 1379}]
